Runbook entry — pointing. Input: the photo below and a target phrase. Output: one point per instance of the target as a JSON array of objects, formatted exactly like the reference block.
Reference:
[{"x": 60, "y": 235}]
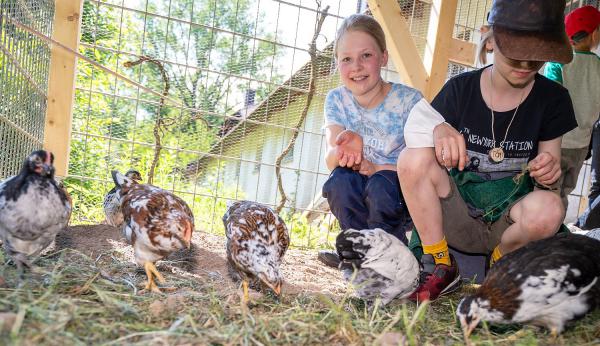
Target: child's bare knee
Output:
[
  {"x": 414, "y": 163},
  {"x": 543, "y": 217}
]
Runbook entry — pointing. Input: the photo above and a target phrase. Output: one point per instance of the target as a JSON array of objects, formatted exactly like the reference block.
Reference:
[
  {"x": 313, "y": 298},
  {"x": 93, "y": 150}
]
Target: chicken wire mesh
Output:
[
  {"x": 239, "y": 71},
  {"x": 236, "y": 76},
  {"x": 24, "y": 69}
]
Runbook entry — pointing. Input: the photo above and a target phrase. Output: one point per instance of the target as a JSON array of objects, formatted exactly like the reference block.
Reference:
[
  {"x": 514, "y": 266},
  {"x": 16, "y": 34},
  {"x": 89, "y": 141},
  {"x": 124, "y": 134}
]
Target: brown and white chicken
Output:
[
  {"x": 33, "y": 209},
  {"x": 257, "y": 239},
  {"x": 156, "y": 223},
  {"x": 112, "y": 201}
]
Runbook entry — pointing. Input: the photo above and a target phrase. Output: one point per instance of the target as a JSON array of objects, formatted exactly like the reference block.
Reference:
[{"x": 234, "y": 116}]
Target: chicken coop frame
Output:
[
  {"x": 61, "y": 76},
  {"x": 445, "y": 46}
]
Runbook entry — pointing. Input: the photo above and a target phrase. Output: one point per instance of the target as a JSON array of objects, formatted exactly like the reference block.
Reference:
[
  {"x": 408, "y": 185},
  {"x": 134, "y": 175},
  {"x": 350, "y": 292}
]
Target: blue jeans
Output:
[
  {"x": 362, "y": 202},
  {"x": 590, "y": 219},
  {"x": 595, "y": 188}
]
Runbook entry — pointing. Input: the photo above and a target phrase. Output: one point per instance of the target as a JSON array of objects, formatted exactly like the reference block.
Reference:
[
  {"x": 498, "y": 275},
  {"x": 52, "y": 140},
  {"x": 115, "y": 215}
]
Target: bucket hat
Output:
[{"x": 532, "y": 30}]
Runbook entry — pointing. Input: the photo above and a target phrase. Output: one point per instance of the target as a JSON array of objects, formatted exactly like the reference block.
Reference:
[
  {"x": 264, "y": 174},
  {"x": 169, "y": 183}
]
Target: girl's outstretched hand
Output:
[{"x": 349, "y": 148}]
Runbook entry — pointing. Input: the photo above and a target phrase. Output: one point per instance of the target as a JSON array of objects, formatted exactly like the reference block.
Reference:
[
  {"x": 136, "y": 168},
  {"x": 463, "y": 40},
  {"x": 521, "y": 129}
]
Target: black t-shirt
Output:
[{"x": 545, "y": 114}]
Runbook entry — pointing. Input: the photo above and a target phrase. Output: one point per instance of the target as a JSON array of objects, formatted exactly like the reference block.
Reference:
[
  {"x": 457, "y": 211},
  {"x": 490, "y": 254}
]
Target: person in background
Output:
[
  {"x": 364, "y": 130},
  {"x": 512, "y": 119},
  {"x": 485, "y": 55},
  {"x": 582, "y": 78},
  {"x": 590, "y": 218}
]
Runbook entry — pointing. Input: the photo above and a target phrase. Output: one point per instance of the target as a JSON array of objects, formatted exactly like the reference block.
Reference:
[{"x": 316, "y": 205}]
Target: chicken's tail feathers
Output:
[{"x": 120, "y": 180}]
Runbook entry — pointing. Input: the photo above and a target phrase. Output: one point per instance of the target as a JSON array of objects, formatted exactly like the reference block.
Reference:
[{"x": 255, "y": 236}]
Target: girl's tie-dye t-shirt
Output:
[{"x": 382, "y": 128}]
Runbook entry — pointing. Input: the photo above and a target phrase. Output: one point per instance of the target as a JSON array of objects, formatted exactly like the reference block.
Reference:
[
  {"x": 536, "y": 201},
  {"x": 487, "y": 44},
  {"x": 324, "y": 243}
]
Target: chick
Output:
[
  {"x": 156, "y": 223},
  {"x": 257, "y": 239}
]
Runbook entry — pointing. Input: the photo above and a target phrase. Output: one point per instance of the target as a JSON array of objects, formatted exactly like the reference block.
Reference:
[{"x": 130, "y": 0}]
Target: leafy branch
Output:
[{"x": 160, "y": 123}]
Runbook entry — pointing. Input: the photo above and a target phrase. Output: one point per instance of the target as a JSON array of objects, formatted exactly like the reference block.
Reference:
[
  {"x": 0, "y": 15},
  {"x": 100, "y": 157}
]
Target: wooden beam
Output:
[
  {"x": 400, "y": 44},
  {"x": 462, "y": 52},
  {"x": 61, "y": 83},
  {"x": 439, "y": 37}
]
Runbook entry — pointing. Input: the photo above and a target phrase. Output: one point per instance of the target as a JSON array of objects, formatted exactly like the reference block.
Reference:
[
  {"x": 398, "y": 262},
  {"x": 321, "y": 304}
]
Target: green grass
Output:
[{"x": 72, "y": 299}]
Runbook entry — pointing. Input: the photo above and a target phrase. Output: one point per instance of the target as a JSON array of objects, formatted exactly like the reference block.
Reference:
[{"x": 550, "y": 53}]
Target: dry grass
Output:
[{"x": 73, "y": 299}]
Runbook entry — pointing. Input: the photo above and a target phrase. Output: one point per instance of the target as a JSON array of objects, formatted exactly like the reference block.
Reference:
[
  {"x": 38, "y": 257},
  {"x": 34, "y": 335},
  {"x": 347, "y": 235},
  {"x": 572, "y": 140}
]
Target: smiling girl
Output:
[{"x": 364, "y": 127}]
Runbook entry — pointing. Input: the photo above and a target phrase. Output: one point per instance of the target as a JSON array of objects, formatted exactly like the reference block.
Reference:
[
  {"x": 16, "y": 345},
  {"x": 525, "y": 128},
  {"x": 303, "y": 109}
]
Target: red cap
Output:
[{"x": 586, "y": 18}]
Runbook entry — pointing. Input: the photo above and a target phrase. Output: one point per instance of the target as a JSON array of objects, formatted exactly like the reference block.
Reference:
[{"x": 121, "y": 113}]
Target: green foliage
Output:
[
  {"x": 209, "y": 46},
  {"x": 95, "y": 27},
  {"x": 307, "y": 234},
  {"x": 111, "y": 130}
]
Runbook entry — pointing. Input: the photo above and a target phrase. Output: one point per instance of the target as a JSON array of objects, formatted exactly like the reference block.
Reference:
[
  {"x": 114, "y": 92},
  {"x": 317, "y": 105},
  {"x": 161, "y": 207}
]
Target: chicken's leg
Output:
[
  {"x": 152, "y": 272},
  {"x": 246, "y": 297},
  {"x": 22, "y": 264}
]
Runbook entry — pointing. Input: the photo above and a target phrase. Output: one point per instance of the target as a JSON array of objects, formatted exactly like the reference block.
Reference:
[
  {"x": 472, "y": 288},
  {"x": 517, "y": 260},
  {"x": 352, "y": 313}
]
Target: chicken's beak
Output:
[
  {"x": 468, "y": 327},
  {"x": 277, "y": 288},
  {"x": 46, "y": 169}
]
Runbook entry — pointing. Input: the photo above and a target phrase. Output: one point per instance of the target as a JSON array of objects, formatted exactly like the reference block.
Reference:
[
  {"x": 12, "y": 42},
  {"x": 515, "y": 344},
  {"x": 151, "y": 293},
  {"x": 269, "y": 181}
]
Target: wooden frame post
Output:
[
  {"x": 439, "y": 39},
  {"x": 61, "y": 84},
  {"x": 430, "y": 74},
  {"x": 462, "y": 52},
  {"x": 401, "y": 46}
]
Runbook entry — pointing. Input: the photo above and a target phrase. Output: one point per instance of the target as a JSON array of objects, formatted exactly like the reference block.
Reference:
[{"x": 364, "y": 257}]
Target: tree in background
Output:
[
  {"x": 226, "y": 60},
  {"x": 111, "y": 127}
]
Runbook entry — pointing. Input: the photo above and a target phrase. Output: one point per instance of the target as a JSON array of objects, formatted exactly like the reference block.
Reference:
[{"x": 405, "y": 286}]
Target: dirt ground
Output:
[{"x": 206, "y": 259}]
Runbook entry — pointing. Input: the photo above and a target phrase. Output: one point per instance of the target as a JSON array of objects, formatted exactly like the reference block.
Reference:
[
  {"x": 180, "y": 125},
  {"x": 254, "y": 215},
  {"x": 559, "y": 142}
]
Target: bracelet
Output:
[{"x": 553, "y": 187}]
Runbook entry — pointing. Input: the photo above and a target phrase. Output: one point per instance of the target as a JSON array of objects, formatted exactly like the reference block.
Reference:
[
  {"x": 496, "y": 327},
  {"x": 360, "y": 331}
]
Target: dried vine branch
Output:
[
  {"x": 160, "y": 122},
  {"x": 312, "y": 51}
]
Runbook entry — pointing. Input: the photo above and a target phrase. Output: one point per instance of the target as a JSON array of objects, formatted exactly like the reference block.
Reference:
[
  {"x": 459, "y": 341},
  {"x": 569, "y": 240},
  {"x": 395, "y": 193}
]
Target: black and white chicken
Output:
[
  {"x": 156, "y": 223},
  {"x": 545, "y": 283},
  {"x": 594, "y": 233},
  {"x": 33, "y": 209},
  {"x": 385, "y": 267},
  {"x": 112, "y": 201},
  {"x": 257, "y": 239}
]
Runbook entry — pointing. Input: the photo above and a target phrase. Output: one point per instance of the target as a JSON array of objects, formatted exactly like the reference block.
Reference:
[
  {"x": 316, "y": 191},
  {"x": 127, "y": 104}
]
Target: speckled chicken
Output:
[
  {"x": 257, "y": 239},
  {"x": 545, "y": 283},
  {"x": 156, "y": 223},
  {"x": 385, "y": 267},
  {"x": 112, "y": 201},
  {"x": 33, "y": 209}
]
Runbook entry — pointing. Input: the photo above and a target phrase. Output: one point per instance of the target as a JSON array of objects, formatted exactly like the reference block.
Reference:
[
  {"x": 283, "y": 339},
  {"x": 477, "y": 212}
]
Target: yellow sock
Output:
[
  {"x": 496, "y": 255},
  {"x": 439, "y": 251}
]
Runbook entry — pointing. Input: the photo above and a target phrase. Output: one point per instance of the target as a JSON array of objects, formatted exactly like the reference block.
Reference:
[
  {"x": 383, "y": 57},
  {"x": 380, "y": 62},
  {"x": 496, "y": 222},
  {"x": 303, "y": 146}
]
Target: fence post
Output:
[
  {"x": 401, "y": 45},
  {"x": 61, "y": 83},
  {"x": 439, "y": 40}
]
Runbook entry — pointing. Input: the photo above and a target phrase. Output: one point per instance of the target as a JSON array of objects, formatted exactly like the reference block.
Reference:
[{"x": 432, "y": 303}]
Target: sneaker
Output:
[
  {"x": 329, "y": 258},
  {"x": 436, "y": 279}
]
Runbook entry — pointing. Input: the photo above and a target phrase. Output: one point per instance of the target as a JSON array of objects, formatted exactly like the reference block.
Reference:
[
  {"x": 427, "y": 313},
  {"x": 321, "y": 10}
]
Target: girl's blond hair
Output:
[{"x": 363, "y": 23}]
